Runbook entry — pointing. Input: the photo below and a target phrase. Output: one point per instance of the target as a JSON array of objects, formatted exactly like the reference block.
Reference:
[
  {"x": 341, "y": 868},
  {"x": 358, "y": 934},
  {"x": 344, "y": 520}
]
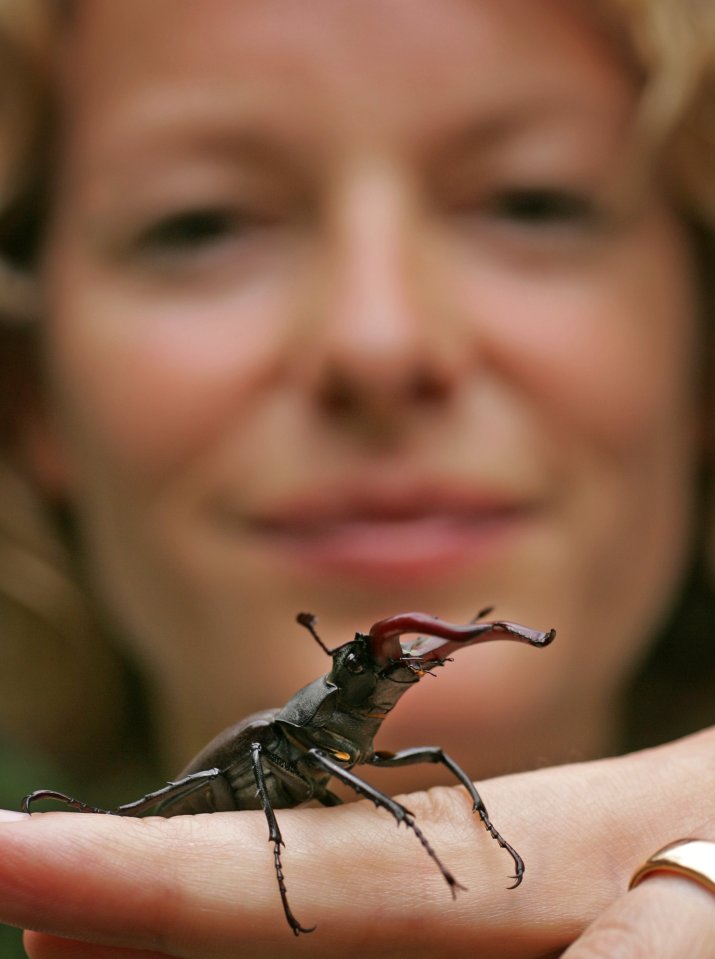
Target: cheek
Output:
[
  {"x": 607, "y": 352},
  {"x": 149, "y": 386},
  {"x": 615, "y": 377},
  {"x": 604, "y": 361}
]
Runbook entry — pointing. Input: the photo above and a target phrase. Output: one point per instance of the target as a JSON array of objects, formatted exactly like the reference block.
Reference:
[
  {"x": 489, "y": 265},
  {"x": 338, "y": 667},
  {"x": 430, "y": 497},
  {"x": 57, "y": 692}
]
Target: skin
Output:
[
  {"x": 313, "y": 347},
  {"x": 354, "y": 340}
]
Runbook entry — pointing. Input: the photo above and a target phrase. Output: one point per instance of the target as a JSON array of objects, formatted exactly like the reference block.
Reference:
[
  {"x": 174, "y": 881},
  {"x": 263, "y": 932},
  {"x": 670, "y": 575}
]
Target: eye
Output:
[
  {"x": 544, "y": 207},
  {"x": 191, "y": 230},
  {"x": 354, "y": 664}
]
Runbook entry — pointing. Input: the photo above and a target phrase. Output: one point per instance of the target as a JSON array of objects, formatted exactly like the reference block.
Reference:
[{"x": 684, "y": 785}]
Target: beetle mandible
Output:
[{"x": 280, "y": 758}]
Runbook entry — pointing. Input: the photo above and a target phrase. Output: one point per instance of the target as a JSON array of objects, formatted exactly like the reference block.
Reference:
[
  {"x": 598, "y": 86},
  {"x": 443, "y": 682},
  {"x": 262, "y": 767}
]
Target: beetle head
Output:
[
  {"x": 354, "y": 670},
  {"x": 381, "y": 650}
]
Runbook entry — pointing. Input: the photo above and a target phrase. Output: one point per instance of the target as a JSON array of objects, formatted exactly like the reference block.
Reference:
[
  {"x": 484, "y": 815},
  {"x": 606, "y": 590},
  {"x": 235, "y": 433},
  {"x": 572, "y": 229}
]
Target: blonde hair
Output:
[
  {"x": 673, "y": 43},
  {"x": 61, "y": 682},
  {"x": 56, "y": 665}
]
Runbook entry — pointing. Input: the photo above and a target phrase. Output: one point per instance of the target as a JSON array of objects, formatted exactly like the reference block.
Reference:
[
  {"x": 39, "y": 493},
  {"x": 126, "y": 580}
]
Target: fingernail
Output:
[{"x": 12, "y": 815}]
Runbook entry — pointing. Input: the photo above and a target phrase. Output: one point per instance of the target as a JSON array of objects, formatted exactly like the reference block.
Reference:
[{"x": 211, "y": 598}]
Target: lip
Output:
[{"x": 387, "y": 536}]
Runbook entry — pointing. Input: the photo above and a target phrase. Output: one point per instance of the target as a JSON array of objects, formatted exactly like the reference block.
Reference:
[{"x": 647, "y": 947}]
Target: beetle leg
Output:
[
  {"x": 39, "y": 794},
  {"x": 274, "y": 836},
  {"x": 433, "y": 754},
  {"x": 380, "y": 799},
  {"x": 170, "y": 795},
  {"x": 169, "y": 798}
]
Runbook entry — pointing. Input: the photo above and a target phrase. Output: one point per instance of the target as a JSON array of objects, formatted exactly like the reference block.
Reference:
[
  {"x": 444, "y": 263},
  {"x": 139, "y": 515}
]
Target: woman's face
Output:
[{"x": 356, "y": 306}]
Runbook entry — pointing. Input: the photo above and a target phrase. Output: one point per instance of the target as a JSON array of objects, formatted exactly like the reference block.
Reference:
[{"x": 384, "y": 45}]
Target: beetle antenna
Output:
[{"x": 308, "y": 620}]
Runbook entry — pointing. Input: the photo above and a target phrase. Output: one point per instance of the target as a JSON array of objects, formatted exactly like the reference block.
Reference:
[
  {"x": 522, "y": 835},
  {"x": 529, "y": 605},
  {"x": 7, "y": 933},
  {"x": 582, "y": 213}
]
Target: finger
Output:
[
  {"x": 152, "y": 885},
  {"x": 40, "y": 946},
  {"x": 666, "y": 917},
  {"x": 203, "y": 885}
]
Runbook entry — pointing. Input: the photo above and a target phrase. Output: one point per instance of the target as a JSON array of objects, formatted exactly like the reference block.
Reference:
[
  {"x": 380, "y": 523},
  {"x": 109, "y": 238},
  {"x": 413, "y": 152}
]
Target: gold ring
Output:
[{"x": 693, "y": 858}]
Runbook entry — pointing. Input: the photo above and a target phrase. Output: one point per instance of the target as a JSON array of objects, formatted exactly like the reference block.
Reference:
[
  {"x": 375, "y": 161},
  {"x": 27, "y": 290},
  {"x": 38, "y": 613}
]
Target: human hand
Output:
[
  {"x": 203, "y": 886},
  {"x": 666, "y": 918}
]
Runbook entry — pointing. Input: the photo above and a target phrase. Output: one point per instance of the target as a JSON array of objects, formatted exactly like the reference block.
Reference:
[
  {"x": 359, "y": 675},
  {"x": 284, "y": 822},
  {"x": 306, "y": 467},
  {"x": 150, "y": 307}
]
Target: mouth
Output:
[{"x": 390, "y": 537}]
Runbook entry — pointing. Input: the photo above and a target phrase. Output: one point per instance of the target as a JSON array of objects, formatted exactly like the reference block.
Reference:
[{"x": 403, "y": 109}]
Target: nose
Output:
[{"x": 385, "y": 339}]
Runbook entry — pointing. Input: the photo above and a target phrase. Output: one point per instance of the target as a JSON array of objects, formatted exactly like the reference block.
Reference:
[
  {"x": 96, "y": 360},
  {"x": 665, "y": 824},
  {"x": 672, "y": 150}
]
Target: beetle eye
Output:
[{"x": 354, "y": 664}]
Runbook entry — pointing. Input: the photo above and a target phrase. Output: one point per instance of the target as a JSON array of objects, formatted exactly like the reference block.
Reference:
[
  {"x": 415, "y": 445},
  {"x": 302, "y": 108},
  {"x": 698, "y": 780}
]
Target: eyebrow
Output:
[
  {"x": 503, "y": 121},
  {"x": 203, "y": 140},
  {"x": 211, "y": 121},
  {"x": 566, "y": 121}
]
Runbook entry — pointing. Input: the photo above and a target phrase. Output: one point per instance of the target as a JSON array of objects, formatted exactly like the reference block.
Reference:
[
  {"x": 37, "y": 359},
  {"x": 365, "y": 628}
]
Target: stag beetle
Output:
[{"x": 280, "y": 758}]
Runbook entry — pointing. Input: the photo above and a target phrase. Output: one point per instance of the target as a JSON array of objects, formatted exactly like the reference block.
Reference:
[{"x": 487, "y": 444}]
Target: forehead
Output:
[{"x": 402, "y": 63}]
